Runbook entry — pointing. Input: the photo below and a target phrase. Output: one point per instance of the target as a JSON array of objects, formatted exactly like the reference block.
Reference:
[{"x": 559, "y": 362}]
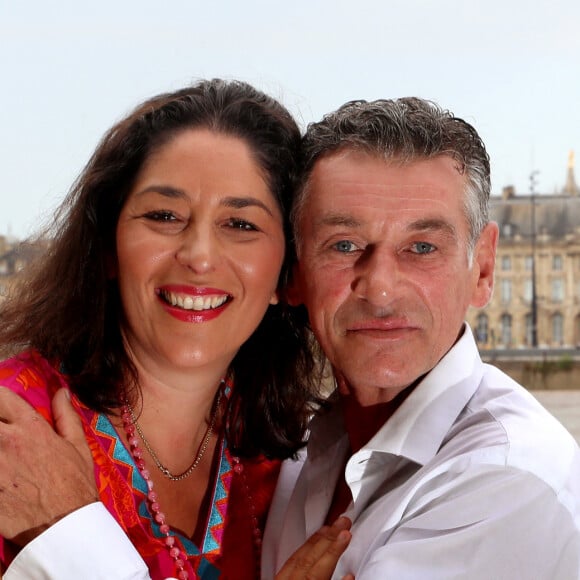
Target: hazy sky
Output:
[{"x": 70, "y": 69}]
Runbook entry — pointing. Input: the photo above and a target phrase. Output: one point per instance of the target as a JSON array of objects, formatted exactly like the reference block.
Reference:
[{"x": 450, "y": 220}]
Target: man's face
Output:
[{"x": 384, "y": 268}]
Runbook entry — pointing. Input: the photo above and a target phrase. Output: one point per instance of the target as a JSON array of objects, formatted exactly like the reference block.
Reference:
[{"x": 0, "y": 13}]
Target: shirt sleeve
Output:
[
  {"x": 500, "y": 526},
  {"x": 87, "y": 543}
]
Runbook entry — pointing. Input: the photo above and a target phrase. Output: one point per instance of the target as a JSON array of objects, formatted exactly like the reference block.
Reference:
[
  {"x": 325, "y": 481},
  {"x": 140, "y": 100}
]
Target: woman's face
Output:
[{"x": 200, "y": 245}]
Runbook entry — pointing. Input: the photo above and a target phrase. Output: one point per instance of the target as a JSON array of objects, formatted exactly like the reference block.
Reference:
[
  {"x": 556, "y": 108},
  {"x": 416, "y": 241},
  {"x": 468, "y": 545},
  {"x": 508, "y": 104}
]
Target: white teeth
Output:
[{"x": 194, "y": 303}]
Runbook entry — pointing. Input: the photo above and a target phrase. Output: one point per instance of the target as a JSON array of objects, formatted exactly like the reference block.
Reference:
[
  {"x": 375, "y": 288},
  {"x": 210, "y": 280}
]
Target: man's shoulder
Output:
[{"x": 503, "y": 425}]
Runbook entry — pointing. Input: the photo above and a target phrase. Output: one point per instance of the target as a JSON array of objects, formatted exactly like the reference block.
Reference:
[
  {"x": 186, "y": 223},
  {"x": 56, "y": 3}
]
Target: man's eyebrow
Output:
[
  {"x": 337, "y": 219},
  {"x": 433, "y": 225}
]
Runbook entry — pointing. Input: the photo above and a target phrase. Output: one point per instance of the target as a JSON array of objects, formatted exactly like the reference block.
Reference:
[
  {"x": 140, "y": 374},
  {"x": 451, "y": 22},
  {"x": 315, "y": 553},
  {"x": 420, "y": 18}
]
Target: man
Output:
[{"x": 446, "y": 467}]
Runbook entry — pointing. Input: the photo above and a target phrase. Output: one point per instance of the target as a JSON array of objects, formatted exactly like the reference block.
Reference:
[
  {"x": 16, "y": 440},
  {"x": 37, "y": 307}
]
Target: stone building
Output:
[
  {"x": 537, "y": 275},
  {"x": 14, "y": 256}
]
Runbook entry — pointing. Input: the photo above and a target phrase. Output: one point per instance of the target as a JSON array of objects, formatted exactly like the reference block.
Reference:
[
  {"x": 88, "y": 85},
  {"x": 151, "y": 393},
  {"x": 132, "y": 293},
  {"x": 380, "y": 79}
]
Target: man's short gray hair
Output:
[{"x": 402, "y": 130}]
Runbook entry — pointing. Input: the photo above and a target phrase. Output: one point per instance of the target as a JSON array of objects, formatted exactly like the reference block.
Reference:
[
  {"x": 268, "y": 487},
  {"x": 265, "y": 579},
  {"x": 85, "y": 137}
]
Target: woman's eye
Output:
[
  {"x": 422, "y": 248},
  {"x": 344, "y": 246},
  {"x": 160, "y": 216},
  {"x": 243, "y": 225}
]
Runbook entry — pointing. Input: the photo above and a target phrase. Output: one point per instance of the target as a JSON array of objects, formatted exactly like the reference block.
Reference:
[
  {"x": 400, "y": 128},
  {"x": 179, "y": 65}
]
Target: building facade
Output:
[
  {"x": 14, "y": 256},
  {"x": 536, "y": 299}
]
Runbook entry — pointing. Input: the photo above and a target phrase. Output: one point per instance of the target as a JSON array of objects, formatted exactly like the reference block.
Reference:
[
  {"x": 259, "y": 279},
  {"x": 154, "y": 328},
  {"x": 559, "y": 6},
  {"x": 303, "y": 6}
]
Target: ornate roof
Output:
[{"x": 555, "y": 215}]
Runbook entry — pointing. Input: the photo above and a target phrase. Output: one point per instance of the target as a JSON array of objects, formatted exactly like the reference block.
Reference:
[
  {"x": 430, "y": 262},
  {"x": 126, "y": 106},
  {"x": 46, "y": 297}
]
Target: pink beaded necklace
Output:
[{"x": 179, "y": 559}]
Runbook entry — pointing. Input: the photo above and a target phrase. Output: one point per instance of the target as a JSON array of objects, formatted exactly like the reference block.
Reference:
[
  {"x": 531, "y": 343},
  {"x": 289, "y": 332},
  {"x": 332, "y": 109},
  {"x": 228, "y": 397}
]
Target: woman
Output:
[{"x": 157, "y": 304}]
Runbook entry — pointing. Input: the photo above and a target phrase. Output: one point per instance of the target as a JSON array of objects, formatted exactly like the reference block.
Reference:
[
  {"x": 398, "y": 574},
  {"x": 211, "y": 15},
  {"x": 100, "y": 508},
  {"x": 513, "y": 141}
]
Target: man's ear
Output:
[
  {"x": 484, "y": 265},
  {"x": 292, "y": 294}
]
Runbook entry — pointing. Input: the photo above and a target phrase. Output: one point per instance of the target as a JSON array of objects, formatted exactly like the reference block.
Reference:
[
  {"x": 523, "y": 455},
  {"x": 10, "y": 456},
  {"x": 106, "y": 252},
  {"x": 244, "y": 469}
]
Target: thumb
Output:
[{"x": 68, "y": 423}]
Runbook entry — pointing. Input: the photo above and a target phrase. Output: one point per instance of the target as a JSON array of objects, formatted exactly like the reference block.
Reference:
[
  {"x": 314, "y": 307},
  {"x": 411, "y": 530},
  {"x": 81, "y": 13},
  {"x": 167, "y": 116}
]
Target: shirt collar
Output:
[{"x": 418, "y": 427}]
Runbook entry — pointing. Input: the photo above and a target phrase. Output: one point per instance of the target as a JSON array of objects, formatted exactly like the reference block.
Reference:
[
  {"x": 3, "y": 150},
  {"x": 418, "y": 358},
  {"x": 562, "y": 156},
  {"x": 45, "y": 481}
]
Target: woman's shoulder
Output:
[{"x": 33, "y": 377}]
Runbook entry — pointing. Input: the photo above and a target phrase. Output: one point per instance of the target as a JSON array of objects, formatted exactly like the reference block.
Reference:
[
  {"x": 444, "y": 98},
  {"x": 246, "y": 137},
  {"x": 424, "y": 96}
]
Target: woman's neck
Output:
[{"x": 174, "y": 410}]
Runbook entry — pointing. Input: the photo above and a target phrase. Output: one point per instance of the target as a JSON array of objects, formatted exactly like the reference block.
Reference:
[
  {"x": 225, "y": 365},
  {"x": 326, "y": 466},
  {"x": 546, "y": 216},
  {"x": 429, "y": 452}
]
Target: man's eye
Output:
[
  {"x": 344, "y": 246},
  {"x": 160, "y": 216},
  {"x": 422, "y": 248},
  {"x": 244, "y": 225}
]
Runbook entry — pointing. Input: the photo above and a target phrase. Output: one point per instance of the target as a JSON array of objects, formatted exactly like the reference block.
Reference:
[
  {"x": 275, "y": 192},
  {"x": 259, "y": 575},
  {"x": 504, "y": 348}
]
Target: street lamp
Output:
[{"x": 533, "y": 243}]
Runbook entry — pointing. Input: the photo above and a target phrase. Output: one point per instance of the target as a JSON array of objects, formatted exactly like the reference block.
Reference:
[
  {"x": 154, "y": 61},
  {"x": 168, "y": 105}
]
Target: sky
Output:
[{"x": 70, "y": 69}]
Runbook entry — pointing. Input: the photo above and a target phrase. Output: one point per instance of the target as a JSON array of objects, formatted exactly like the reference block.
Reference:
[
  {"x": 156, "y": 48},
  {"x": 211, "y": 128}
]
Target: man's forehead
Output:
[
  {"x": 351, "y": 160},
  {"x": 357, "y": 178},
  {"x": 337, "y": 199}
]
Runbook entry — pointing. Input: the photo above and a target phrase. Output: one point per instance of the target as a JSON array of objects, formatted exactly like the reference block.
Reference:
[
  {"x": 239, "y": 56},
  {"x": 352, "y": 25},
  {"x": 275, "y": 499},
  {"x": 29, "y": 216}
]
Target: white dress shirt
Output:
[{"x": 470, "y": 478}]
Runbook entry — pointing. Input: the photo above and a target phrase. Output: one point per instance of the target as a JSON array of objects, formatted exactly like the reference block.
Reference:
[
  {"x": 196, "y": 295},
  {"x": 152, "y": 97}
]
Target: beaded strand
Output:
[
  {"x": 256, "y": 532},
  {"x": 158, "y": 515}
]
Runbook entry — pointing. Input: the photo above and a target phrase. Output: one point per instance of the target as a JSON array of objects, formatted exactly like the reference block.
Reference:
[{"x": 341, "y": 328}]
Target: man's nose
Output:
[
  {"x": 377, "y": 275},
  {"x": 199, "y": 249}
]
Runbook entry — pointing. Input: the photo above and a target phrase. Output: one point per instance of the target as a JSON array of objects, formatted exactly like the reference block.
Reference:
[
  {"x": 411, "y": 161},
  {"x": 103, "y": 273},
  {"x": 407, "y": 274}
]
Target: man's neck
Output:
[{"x": 364, "y": 421}]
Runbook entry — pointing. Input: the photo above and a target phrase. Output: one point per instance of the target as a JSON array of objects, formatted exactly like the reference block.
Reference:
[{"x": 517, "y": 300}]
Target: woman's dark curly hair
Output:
[{"x": 68, "y": 309}]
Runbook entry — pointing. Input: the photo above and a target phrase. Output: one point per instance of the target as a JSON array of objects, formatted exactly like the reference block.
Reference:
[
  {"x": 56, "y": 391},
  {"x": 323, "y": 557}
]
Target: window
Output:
[
  {"x": 528, "y": 261},
  {"x": 556, "y": 262},
  {"x": 506, "y": 329},
  {"x": 557, "y": 329},
  {"x": 506, "y": 291},
  {"x": 528, "y": 290},
  {"x": 557, "y": 290},
  {"x": 507, "y": 230},
  {"x": 481, "y": 331},
  {"x": 506, "y": 263}
]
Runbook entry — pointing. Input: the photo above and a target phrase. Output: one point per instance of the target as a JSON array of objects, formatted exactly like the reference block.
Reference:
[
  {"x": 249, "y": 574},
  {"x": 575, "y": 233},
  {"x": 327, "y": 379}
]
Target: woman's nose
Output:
[{"x": 198, "y": 249}]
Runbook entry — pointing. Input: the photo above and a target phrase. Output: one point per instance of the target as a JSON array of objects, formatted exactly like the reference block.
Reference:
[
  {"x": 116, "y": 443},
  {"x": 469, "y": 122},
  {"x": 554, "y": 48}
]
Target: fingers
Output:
[
  {"x": 68, "y": 424},
  {"x": 13, "y": 406},
  {"x": 43, "y": 476},
  {"x": 66, "y": 420},
  {"x": 317, "y": 558}
]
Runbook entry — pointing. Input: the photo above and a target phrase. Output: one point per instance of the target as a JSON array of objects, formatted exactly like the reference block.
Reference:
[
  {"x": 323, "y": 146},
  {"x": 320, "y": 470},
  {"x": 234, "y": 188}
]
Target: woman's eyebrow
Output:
[
  {"x": 235, "y": 202},
  {"x": 239, "y": 202},
  {"x": 164, "y": 190}
]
